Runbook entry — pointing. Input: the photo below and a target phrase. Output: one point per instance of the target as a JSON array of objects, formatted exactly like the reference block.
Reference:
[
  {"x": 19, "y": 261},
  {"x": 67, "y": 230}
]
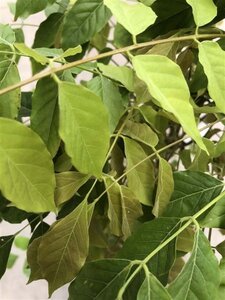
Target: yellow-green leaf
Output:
[{"x": 204, "y": 11}]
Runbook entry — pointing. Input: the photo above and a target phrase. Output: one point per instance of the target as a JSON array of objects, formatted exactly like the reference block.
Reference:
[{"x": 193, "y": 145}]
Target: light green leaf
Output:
[
  {"x": 135, "y": 18},
  {"x": 86, "y": 135},
  {"x": 45, "y": 113},
  {"x": 71, "y": 52},
  {"x": 100, "y": 280},
  {"x": 83, "y": 21},
  {"x": 10, "y": 102},
  {"x": 123, "y": 209},
  {"x": 169, "y": 87},
  {"x": 68, "y": 240},
  {"x": 192, "y": 191},
  {"x": 141, "y": 180},
  {"x": 7, "y": 35},
  {"x": 26, "y": 169},
  {"x": 152, "y": 289},
  {"x": 165, "y": 187},
  {"x": 122, "y": 74},
  {"x": 111, "y": 97},
  {"x": 204, "y": 11},
  {"x": 31, "y": 53},
  {"x": 5, "y": 248},
  {"x": 11, "y": 261},
  {"x": 212, "y": 57},
  {"x": 21, "y": 242},
  {"x": 67, "y": 184},
  {"x": 200, "y": 277},
  {"x": 141, "y": 133},
  {"x": 24, "y": 8},
  {"x": 148, "y": 237}
]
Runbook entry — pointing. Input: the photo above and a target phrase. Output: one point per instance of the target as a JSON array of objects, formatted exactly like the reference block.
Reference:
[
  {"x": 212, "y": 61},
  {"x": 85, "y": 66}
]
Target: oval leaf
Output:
[
  {"x": 204, "y": 11},
  {"x": 26, "y": 169},
  {"x": 83, "y": 127}
]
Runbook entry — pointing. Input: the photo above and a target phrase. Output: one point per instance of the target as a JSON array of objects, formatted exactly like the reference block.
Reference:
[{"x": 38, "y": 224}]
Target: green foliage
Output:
[{"x": 117, "y": 155}]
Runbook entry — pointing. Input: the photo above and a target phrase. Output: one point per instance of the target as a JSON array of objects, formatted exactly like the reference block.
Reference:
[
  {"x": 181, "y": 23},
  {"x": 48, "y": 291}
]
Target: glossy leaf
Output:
[
  {"x": 124, "y": 75},
  {"x": 164, "y": 188},
  {"x": 212, "y": 57},
  {"x": 83, "y": 21},
  {"x": 26, "y": 169},
  {"x": 203, "y": 10},
  {"x": 200, "y": 276},
  {"x": 192, "y": 191},
  {"x": 136, "y": 18},
  {"x": 152, "y": 289},
  {"x": 141, "y": 133},
  {"x": 123, "y": 210},
  {"x": 141, "y": 178},
  {"x": 68, "y": 240},
  {"x": 85, "y": 134},
  {"x": 45, "y": 113},
  {"x": 67, "y": 184},
  {"x": 111, "y": 97},
  {"x": 169, "y": 87},
  {"x": 100, "y": 280},
  {"x": 147, "y": 238},
  {"x": 10, "y": 102},
  {"x": 5, "y": 248}
]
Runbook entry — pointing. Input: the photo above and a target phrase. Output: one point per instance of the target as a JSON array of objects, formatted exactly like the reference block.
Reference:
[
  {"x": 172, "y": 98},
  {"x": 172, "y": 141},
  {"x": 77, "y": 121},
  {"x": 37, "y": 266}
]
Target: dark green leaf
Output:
[{"x": 5, "y": 248}]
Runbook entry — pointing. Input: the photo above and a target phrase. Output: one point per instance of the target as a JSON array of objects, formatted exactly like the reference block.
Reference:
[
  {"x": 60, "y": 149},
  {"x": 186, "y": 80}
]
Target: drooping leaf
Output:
[
  {"x": 24, "y": 8},
  {"x": 100, "y": 280},
  {"x": 7, "y": 35},
  {"x": 123, "y": 209},
  {"x": 10, "y": 102},
  {"x": 31, "y": 53},
  {"x": 86, "y": 135},
  {"x": 121, "y": 74},
  {"x": 68, "y": 240},
  {"x": 212, "y": 58},
  {"x": 135, "y": 18},
  {"x": 111, "y": 97},
  {"x": 26, "y": 170},
  {"x": 152, "y": 289},
  {"x": 67, "y": 184},
  {"x": 192, "y": 191},
  {"x": 141, "y": 178},
  {"x": 141, "y": 132},
  {"x": 83, "y": 21},
  {"x": 147, "y": 238},
  {"x": 200, "y": 277},
  {"x": 169, "y": 87},
  {"x": 45, "y": 113},
  {"x": 204, "y": 11},
  {"x": 164, "y": 188},
  {"x": 5, "y": 248}
]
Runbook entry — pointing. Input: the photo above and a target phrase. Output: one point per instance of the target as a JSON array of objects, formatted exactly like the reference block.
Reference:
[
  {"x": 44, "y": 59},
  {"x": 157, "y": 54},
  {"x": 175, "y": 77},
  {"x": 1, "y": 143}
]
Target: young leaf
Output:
[
  {"x": 85, "y": 134},
  {"x": 141, "y": 132},
  {"x": 122, "y": 74},
  {"x": 111, "y": 97},
  {"x": 26, "y": 169},
  {"x": 200, "y": 277},
  {"x": 212, "y": 57},
  {"x": 165, "y": 187},
  {"x": 24, "y": 8},
  {"x": 31, "y": 53},
  {"x": 135, "y": 18},
  {"x": 67, "y": 184},
  {"x": 169, "y": 87},
  {"x": 100, "y": 280},
  {"x": 83, "y": 21},
  {"x": 5, "y": 248},
  {"x": 68, "y": 240},
  {"x": 45, "y": 113},
  {"x": 10, "y": 102},
  {"x": 204, "y": 11},
  {"x": 141, "y": 179},
  {"x": 147, "y": 238},
  {"x": 7, "y": 35},
  {"x": 192, "y": 191},
  {"x": 123, "y": 209},
  {"x": 152, "y": 289}
]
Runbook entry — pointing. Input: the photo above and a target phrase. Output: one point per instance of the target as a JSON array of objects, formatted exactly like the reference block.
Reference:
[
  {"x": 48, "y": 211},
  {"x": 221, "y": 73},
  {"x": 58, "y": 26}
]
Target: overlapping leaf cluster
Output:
[{"x": 131, "y": 161}]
